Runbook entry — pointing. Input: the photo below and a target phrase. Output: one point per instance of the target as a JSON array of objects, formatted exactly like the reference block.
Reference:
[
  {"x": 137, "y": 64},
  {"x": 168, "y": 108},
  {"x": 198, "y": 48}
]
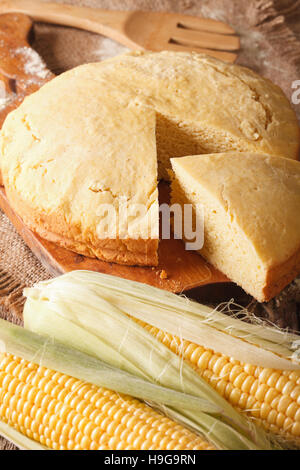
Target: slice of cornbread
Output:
[{"x": 251, "y": 215}]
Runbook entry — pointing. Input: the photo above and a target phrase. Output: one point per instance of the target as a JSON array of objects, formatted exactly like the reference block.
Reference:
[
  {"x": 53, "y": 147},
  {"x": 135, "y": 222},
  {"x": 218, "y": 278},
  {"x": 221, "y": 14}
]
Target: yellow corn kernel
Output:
[
  {"x": 64, "y": 413},
  {"x": 270, "y": 396}
]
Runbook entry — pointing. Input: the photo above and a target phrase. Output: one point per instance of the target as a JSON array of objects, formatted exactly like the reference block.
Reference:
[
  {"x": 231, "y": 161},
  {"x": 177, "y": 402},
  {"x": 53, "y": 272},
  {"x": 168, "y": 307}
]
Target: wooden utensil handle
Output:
[{"x": 107, "y": 23}]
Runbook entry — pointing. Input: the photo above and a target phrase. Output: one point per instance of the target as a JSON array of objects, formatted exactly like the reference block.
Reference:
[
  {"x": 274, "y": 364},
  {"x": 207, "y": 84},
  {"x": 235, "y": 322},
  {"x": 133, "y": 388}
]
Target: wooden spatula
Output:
[{"x": 138, "y": 30}]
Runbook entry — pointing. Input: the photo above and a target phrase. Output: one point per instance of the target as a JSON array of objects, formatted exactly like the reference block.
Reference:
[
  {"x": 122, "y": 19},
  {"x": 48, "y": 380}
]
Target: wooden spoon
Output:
[{"x": 142, "y": 30}]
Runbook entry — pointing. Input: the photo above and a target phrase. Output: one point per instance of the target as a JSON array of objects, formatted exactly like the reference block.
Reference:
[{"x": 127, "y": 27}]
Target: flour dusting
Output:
[
  {"x": 33, "y": 64},
  {"x": 108, "y": 48},
  {"x": 5, "y": 97}
]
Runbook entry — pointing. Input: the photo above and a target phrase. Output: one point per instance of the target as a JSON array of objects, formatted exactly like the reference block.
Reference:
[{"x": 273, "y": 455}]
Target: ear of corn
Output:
[
  {"x": 269, "y": 396},
  {"x": 61, "y": 315},
  {"x": 57, "y": 356},
  {"x": 64, "y": 413}
]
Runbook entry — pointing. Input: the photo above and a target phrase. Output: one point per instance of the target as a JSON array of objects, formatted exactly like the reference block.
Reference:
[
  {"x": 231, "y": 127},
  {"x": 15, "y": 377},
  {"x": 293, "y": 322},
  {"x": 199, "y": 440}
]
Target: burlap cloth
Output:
[{"x": 270, "y": 35}]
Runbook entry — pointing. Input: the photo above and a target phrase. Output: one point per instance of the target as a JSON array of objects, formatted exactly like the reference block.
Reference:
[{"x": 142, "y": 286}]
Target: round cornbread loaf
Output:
[{"x": 94, "y": 135}]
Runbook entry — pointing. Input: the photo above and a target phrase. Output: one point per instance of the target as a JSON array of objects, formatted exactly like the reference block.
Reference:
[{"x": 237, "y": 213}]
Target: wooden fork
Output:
[{"x": 138, "y": 29}]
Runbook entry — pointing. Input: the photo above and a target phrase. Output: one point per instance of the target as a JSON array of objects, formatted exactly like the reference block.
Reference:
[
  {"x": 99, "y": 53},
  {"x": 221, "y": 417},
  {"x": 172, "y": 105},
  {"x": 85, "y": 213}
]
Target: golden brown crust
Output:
[
  {"x": 122, "y": 251},
  {"x": 280, "y": 276},
  {"x": 277, "y": 278}
]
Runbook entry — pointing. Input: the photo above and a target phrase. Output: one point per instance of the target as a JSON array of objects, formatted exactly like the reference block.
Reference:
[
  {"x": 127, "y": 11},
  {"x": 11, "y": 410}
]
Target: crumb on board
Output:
[{"x": 163, "y": 274}]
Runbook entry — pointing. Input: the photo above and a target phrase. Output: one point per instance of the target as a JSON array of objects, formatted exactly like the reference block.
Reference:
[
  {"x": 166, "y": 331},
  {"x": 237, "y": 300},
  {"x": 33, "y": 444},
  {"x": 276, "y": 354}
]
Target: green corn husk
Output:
[
  {"x": 75, "y": 314},
  {"x": 58, "y": 356},
  {"x": 253, "y": 344}
]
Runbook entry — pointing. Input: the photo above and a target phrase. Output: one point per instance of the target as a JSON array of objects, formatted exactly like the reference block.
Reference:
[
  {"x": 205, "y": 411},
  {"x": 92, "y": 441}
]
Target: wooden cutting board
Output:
[{"x": 22, "y": 71}]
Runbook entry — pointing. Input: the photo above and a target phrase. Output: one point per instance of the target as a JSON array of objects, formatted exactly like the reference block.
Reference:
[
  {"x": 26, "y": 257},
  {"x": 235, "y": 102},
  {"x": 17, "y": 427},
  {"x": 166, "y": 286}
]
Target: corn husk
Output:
[
  {"x": 52, "y": 354},
  {"x": 255, "y": 344},
  {"x": 77, "y": 315},
  {"x": 58, "y": 356}
]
